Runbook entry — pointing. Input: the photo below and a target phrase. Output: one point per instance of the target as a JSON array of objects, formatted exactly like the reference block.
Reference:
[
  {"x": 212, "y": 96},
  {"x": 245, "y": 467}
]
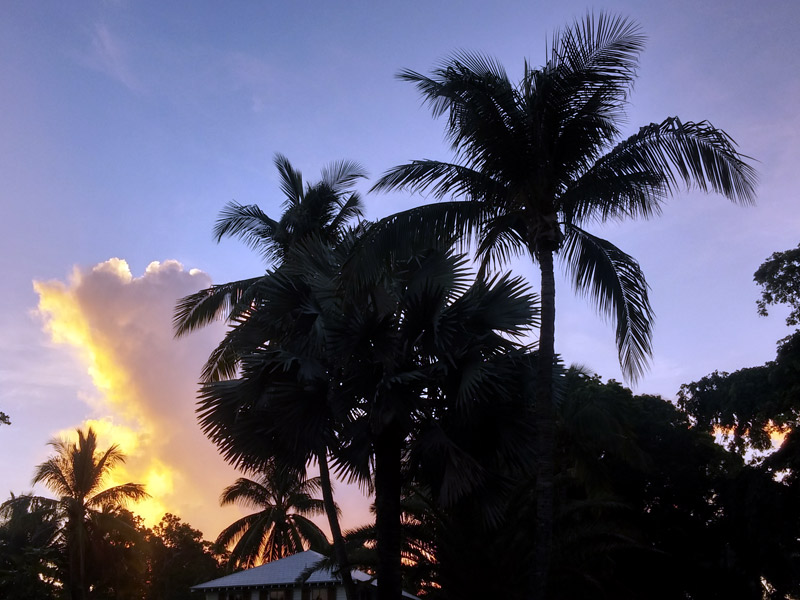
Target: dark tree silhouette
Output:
[
  {"x": 540, "y": 159},
  {"x": 280, "y": 527},
  {"x": 76, "y": 474},
  {"x": 322, "y": 211}
]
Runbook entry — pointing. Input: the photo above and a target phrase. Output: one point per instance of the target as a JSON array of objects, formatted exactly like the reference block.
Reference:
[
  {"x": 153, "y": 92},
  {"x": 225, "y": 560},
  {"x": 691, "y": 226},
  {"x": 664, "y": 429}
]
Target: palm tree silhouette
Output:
[
  {"x": 280, "y": 527},
  {"x": 539, "y": 160},
  {"x": 321, "y": 212},
  {"x": 76, "y": 474}
]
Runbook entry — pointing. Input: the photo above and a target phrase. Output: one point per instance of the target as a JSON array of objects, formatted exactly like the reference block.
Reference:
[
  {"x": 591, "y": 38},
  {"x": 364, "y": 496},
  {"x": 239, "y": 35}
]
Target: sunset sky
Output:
[{"x": 126, "y": 126}]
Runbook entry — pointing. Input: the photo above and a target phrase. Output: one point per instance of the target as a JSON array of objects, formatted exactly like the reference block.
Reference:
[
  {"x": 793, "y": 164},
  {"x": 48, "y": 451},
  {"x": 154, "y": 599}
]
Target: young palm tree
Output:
[
  {"x": 280, "y": 527},
  {"x": 539, "y": 160},
  {"x": 320, "y": 211},
  {"x": 76, "y": 474}
]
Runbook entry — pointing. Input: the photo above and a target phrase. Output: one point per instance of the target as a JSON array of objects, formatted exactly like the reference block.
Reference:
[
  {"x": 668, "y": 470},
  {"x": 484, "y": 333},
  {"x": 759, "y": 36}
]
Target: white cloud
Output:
[{"x": 109, "y": 55}]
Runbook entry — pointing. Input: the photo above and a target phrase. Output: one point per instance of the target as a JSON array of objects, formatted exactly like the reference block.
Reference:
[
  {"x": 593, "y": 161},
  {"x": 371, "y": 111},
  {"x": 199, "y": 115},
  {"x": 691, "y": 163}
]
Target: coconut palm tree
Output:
[
  {"x": 322, "y": 211},
  {"x": 76, "y": 474},
  {"x": 281, "y": 526},
  {"x": 540, "y": 159}
]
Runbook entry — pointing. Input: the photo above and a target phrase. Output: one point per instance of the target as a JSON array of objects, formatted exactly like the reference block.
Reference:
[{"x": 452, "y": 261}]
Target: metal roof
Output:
[{"x": 283, "y": 572}]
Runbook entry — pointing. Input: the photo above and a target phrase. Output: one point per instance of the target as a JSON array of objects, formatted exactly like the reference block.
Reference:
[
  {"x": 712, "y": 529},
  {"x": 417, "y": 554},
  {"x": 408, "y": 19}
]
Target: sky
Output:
[{"x": 127, "y": 126}]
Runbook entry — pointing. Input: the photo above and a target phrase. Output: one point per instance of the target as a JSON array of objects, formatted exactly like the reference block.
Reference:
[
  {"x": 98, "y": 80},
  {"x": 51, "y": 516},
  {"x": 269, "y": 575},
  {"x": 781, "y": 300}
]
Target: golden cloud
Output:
[{"x": 144, "y": 382}]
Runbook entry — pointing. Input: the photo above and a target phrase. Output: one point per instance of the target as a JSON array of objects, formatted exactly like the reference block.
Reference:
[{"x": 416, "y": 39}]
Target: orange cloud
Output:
[{"x": 144, "y": 382}]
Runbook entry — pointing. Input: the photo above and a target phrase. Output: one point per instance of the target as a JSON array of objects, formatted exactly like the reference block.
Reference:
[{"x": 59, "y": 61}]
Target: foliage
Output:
[
  {"x": 536, "y": 162},
  {"x": 178, "y": 558},
  {"x": 128, "y": 560},
  {"x": 779, "y": 278},
  {"x": 751, "y": 405},
  {"x": 29, "y": 553},
  {"x": 4, "y": 419},
  {"x": 87, "y": 512},
  {"x": 280, "y": 528}
]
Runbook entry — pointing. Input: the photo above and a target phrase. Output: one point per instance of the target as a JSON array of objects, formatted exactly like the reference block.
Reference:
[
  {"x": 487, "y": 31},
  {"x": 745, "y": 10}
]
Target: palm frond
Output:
[
  {"x": 119, "y": 495},
  {"x": 223, "y": 301},
  {"x": 698, "y": 154},
  {"x": 441, "y": 179},
  {"x": 251, "y": 225},
  {"x": 341, "y": 174},
  {"x": 291, "y": 181},
  {"x": 409, "y": 232},
  {"x": 350, "y": 207},
  {"x": 616, "y": 284},
  {"x": 600, "y": 51},
  {"x": 248, "y": 493},
  {"x": 53, "y": 474}
]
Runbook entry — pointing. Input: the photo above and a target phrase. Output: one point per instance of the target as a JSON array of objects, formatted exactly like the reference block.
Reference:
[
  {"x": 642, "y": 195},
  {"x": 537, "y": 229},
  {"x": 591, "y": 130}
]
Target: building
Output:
[{"x": 290, "y": 578}]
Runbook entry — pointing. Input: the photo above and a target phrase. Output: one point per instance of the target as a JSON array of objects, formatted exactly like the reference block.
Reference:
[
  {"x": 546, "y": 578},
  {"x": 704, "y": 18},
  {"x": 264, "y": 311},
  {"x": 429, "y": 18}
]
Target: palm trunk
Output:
[
  {"x": 77, "y": 561},
  {"x": 388, "y": 450},
  {"x": 333, "y": 521},
  {"x": 545, "y": 428}
]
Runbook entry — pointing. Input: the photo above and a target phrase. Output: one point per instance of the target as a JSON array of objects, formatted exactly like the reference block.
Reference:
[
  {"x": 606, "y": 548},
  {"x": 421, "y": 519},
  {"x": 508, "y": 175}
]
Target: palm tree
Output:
[
  {"x": 280, "y": 527},
  {"x": 323, "y": 210},
  {"x": 29, "y": 549},
  {"x": 540, "y": 159},
  {"x": 320, "y": 211},
  {"x": 424, "y": 351},
  {"x": 76, "y": 474},
  {"x": 385, "y": 370}
]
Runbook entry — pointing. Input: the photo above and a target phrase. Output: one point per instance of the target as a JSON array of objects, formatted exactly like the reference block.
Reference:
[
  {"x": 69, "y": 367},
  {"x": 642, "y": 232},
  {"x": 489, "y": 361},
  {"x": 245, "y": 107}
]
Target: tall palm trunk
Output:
[
  {"x": 545, "y": 428},
  {"x": 77, "y": 560},
  {"x": 388, "y": 454},
  {"x": 333, "y": 521}
]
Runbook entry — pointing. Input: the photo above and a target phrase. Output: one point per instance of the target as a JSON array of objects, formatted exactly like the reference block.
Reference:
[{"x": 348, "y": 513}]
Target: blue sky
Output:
[{"x": 126, "y": 126}]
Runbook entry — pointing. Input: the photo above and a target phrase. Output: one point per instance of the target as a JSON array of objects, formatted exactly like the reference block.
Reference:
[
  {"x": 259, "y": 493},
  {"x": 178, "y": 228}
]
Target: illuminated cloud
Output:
[{"x": 145, "y": 382}]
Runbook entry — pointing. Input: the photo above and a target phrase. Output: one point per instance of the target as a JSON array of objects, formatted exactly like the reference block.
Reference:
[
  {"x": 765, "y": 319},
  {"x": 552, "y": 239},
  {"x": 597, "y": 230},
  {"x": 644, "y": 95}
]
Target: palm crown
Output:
[
  {"x": 543, "y": 158},
  {"x": 280, "y": 527},
  {"x": 323, "y": 210},
  {"x": 76, "y": 474}
]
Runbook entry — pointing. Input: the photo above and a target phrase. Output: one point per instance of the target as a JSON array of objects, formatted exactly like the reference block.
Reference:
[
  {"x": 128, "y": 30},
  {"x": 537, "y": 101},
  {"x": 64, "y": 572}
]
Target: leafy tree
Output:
[
  {"x": 539, "y": 160},
  {"x": 4, "y": 419},
  {"x": 779, "y": 278},
  {"x": 752, "y": 404},
  {"x": 178, "y": 558},
  {"x": 76, "y": 474},
  {"x": 281, "y": 526},
  {"x": 718, "y": 527},
  {"x": 118, "y": 570}
]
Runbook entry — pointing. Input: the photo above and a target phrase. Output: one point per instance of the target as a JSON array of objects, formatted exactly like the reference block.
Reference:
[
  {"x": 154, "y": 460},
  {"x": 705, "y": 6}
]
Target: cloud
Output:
[
  {"x": 109, "y": 56},
  {"x": 144, "y": 381},
  {"x": 145, "y": 384}
]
